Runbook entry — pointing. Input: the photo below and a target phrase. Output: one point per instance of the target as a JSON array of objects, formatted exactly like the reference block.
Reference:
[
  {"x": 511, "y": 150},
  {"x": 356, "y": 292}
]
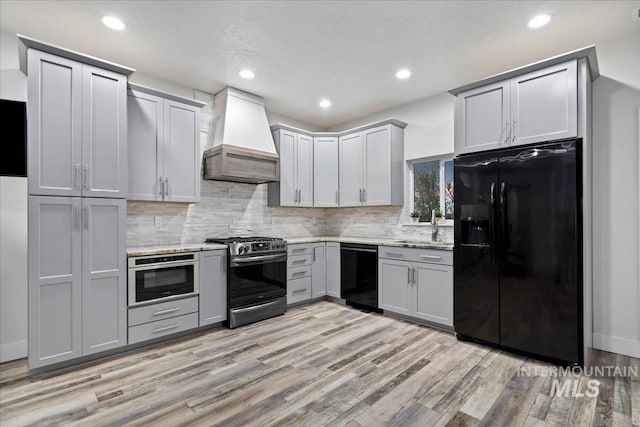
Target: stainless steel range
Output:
[{"x": 256, "y": 279}]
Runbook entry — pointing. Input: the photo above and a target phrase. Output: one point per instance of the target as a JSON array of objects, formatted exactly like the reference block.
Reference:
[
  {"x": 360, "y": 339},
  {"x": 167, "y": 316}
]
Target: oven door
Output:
[
  {"x": 162, "y": 280},
  {"x": 257, "y": 279}
]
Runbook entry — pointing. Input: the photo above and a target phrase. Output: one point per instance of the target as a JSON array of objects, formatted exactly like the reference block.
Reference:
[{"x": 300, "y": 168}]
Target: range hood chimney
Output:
[{"x": 240, "y": 146}]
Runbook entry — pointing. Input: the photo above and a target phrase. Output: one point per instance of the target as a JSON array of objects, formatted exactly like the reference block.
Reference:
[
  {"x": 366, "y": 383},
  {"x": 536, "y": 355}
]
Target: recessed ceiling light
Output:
[
  {"x": 539, "y": 21},
  {"x": 247, "y": 74},
  {"x": 403, "y": 74},
  {"x": 325, "y": 103},
  {"x": 113, "y": 23}
]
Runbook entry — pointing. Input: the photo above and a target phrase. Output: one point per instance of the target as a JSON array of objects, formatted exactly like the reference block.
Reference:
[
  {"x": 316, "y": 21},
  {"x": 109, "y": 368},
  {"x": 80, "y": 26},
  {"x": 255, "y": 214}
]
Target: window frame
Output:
[{"x": 441, "y": 159}]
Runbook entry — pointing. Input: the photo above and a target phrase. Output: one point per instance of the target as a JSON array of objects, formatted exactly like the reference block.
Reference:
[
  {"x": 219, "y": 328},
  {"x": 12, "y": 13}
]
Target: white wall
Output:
[
  {"x": 616, "y": 212},
  {"x": 13, "y": 223}
]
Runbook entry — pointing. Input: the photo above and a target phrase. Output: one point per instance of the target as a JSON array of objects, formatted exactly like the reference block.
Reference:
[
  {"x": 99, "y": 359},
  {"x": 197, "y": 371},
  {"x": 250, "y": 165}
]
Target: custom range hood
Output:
[{"x": 240, "y": 146}]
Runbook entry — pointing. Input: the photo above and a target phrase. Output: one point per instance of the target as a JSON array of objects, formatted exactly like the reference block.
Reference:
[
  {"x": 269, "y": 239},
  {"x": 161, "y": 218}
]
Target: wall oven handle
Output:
[{"x": 257, "y": 258}]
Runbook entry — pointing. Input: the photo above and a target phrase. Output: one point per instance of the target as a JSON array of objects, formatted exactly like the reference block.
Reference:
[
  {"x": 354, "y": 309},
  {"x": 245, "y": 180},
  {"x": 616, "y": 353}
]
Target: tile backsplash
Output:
[{"x": 231, "y": 209}]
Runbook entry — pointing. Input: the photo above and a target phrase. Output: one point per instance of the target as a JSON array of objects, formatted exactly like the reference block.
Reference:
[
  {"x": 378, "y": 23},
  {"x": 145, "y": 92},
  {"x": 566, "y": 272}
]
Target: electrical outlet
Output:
[{"x": 157, "y": 221}]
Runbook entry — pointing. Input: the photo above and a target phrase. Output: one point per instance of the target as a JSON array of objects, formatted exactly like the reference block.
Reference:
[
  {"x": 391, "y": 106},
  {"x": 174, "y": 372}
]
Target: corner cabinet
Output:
[
  {"x": 538, "y": 106},
  {"x": 371, "y": 167},
  {"x": 77, "y": 277},
  {"x": 164, "y": 146},
  {"x": 213, "y": 287},
  {"x": 77, "y": 128},
  {"x": 417, "y": 283},
  {"x": 295, "y": 187}
]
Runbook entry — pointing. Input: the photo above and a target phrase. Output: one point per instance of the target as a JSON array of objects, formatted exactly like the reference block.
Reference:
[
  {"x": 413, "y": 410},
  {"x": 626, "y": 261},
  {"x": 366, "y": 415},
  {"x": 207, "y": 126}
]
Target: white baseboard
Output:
[
  {"x": 617, "y": 345},
  {"x": 13, "y": 350}
]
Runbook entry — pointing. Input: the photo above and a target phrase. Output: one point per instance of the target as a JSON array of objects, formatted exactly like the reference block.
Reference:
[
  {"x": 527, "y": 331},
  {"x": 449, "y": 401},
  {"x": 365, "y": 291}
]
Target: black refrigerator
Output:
[{"x": 518, "y": 250}]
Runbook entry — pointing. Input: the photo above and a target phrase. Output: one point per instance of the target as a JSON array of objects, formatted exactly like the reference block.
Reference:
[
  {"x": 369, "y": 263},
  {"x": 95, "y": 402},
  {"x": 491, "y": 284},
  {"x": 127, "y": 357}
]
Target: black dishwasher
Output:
[{"x": 359, "y": 275}]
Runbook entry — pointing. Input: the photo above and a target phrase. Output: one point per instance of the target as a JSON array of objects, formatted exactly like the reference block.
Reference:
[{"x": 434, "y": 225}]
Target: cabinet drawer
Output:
[
  {"x": 298, "y": 272},
  {"x": 161, "y": 328},
  {"x": 298, "y": 290},
  {"x": 299, "y": 260},
  {"x": 162, "y": 310},
  {"x": 434, "y": 256},
  {"x": 303, "y": 249}
]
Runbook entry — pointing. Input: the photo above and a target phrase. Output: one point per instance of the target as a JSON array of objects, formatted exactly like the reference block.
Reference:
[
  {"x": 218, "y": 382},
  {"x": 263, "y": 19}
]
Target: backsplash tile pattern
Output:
[{"x": 228, "y": 208}]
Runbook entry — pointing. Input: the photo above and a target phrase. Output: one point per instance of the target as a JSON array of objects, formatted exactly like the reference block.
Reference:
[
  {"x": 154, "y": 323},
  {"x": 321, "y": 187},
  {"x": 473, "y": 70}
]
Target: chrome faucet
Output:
[{"x": 434, "y": 226}]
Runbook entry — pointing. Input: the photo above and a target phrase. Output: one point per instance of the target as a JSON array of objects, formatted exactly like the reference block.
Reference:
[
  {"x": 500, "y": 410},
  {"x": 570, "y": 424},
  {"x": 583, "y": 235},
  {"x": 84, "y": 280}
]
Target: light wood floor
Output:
[{"x": 320, "y": 364}]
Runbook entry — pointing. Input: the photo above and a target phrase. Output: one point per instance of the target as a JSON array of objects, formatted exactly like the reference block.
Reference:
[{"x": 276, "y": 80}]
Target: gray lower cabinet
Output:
[
  {"x": 77, "y": 277},
  {"x": 423, "y": 290},
  {"x": 77, "y": 128},
  {"x": 213, "y": 287},
  {"x": 333, "y": 269},
  {"x": 299, "y": 270},
  {"x": 160, "y": 328},
  {"x": 164, "y": 147},
  {"x": 160, "y": 319},
  {"x": 318, "y": 271}
]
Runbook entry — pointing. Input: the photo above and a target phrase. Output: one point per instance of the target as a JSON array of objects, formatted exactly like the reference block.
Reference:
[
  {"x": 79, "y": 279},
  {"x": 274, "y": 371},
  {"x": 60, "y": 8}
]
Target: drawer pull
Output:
[
  {"x": 297, "y": 291},
  {"x": 166, "y": 328},
  {"x": 300, "y": 261},
  {"x": 298, "y": 273},
  {"x": 394, "y": 255},
  {"x": 170, "y": 310},
  {"x": 430, "y": 256},
  {"x": 299, "y": 250}
]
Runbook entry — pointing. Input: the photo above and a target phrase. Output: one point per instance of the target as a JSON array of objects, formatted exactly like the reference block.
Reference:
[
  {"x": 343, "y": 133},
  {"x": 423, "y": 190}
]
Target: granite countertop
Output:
[
  {"x": 380, "y": 241},
  {"x": 173, "y": 249}
]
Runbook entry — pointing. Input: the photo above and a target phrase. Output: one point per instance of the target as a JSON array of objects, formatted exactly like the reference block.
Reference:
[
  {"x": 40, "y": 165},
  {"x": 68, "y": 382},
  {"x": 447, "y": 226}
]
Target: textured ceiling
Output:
[{"x": 304, "y": 50}]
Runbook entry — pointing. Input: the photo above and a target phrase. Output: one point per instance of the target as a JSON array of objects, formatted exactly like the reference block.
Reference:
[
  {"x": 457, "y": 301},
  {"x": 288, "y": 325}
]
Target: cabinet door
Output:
[
  {"x": 213, "y": 287},
  {"x": 325, "y": 172},
  {"x": 394, "y": 286},
  {"x": 54, "y": 117},
  {"x": 351, "y": 169},
  {"x": 104, "y": 133},
  {"x": 544, "y": 104},
  {"x": 433, "y": 293},
  {"x": 318, "y": 271},
  {"x": 144, "y": 141},
  {"x": 55, "y": 294},
  {"x": 286, "y": 142},
  {"x": 181, "y": 163},
  {"x": 377, "y": 166},
  {"x": 304, "y": 154},
  {"x": 482, "y": 119},
  {"x": 333, "y": 269},
  {"x": 104, "y": 279}
]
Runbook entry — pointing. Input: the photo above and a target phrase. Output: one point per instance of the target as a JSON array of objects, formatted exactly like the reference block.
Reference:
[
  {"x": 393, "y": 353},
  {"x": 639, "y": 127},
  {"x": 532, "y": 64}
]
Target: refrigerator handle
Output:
[
  {"x": 503, "y": 220},
  {"x": 493, "y": 193},
  {"x": 492, "y": 224}
]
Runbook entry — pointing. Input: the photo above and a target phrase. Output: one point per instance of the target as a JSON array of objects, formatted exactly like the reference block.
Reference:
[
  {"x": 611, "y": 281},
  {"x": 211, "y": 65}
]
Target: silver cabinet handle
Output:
[
  {"x": 314, "y": 254},
  {"x": 85, "y": 177},
  {"x": 166, "y": 328},
  {"x": 297, "y": 291},
  {"x": 507, "y": 132},
  {"x": 361, "y": 195},
  {"x": 85, "y": 217},
  {"x": 298, "y": 273},
  {"x": 414, "y": 275},
  {"x": 76, "y": 218},
  {"x": 409, "y": 275},
  {"x": 337, "y": 197},
  {"x": 430, "y": 256},
  {"x": 161, "y": 187},
  {"x": 364, "y": 195},
  {"x": 224, "y": 264},
  {"x": 166, "y": 186},
  {"x": 299, "y": 261},
  {"x": 170, "y": 310},
  {"x": 76, "y": 177},
  {"x": 394, "y": 254},
  {"x": 299, "y": 250},
  {"x": 513, "y": 133}
]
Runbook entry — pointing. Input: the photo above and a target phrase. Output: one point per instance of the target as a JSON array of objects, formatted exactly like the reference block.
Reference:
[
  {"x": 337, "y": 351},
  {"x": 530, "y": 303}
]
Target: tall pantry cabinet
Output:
[{"x": 77, "y": 168}]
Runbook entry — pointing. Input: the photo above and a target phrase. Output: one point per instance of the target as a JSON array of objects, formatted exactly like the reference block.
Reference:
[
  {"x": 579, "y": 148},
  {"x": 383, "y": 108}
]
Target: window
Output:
[{"x": 432, "y": 187}]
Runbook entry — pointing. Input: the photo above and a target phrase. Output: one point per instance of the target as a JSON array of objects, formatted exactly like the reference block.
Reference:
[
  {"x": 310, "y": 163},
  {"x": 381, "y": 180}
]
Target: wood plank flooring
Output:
[{"x": 319, "y": 364}]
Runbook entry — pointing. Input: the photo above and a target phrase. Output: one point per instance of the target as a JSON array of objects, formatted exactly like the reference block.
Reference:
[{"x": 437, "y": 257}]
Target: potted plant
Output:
[
  {"x": 415, "y": 216},
  {"x": 438, "y": 215}
]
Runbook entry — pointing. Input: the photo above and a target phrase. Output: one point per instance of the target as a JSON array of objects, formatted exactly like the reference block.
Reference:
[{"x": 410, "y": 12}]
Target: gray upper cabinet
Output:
[
  {"x": 538, "y": 106},
  {"x": 77, "y": 128},
  {"x": 295, "y": 187},
  {"x": 325, "y": 172},
  {"x": 351, "y": 169},
  {"x": 213, "y": 287},
  {"x": 333, "y": 269},
  {"x": 164, "y": 146},
  {"x": 104, "y": 279},
  {"x": 371, "y": 167},
  {"x": 77, "y": 277}
]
